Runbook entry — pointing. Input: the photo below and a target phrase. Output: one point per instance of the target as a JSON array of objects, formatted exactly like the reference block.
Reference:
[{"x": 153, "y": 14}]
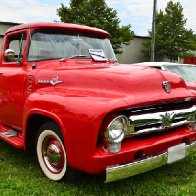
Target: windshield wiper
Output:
[
  {"x": 74, "y": 56},
  {"x": 85, "y": 56}
]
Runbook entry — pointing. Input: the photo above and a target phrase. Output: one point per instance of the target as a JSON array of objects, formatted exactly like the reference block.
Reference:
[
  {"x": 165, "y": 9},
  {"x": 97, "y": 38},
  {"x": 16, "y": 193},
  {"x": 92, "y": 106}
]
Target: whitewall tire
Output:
[{"x": 51, "y": 153}]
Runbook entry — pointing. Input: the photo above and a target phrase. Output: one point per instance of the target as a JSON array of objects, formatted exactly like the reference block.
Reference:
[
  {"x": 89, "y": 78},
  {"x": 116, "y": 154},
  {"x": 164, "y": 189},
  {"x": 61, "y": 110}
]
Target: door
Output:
[{"x": 12, "y": 80}]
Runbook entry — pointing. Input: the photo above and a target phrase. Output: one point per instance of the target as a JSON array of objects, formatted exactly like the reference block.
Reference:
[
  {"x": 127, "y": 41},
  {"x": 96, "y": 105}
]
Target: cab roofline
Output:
[{"x": 58, "y": 25}]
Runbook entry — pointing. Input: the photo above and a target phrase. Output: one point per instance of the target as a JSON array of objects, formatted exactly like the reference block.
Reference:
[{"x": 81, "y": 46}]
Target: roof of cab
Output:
[{"x": 58, "y": 25}]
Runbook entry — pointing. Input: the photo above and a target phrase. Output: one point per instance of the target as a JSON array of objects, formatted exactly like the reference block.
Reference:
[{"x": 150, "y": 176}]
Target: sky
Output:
[{"x": 138, "y": 13}]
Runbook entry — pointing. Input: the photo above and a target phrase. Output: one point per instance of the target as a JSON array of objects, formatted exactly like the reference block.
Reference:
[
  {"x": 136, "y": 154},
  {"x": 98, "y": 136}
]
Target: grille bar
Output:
[{"x": 158, "y": 121}]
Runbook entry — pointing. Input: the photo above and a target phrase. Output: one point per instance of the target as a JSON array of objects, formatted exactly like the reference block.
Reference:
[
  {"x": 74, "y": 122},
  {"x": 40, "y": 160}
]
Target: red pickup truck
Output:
[{"x": 63, "y": 92}]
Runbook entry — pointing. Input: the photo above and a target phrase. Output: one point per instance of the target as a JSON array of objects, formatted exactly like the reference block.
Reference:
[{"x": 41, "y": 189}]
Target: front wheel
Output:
[{"x": 51, "y": 152}]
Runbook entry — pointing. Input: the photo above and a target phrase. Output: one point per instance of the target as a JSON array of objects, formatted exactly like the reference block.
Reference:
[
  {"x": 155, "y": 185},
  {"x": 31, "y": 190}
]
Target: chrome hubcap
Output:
[{"x": 53, "y": 155}]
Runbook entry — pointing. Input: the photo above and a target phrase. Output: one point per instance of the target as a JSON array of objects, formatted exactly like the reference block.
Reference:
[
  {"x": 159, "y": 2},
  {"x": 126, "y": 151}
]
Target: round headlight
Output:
[{"x": 117, "y": 129}]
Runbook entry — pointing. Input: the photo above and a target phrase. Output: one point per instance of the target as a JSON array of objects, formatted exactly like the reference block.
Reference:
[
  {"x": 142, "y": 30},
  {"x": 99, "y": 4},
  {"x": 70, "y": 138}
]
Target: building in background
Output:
[
  {"x": 189, "y": 60},
  {"x": 4, "y": 26},
  {"x": 132, "y": 52}
]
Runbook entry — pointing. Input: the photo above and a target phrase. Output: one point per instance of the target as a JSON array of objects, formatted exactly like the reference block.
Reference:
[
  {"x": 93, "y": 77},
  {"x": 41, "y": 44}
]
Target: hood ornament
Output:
[
  {"x": 166, "y": 86},
  {"x": 54, "y": 81}
]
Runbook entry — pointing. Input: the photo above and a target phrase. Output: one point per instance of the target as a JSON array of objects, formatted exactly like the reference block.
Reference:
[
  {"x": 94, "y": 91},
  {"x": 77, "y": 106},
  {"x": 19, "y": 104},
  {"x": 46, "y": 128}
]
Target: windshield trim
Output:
[{"x": 68, "y": 32}]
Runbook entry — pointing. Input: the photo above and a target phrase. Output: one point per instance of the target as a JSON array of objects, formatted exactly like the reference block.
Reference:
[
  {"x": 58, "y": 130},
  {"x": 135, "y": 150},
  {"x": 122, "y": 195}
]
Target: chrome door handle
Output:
[{"x": 1, "y": 73}]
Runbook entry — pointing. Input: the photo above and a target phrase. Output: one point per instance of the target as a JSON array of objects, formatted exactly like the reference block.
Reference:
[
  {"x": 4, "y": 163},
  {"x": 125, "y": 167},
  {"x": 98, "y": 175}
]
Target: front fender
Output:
[{"x": 78, "y": 116}]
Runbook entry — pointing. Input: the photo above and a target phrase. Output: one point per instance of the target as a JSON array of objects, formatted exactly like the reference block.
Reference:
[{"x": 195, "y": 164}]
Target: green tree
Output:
[
  {"x": 193, "y": 48},
  {"x": 173, "y": 40},
  {"x": 193, "y": 43},
  {"x": 96, "y": 13}
]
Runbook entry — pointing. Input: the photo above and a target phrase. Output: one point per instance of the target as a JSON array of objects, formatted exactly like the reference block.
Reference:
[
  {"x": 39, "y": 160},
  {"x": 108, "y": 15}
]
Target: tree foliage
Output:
[
  {"x": 96, "y": 13},
  {"x": 173, "y": 40},
  {"x": 193, "y": 48},
  {"x": 193, "y": 43}
]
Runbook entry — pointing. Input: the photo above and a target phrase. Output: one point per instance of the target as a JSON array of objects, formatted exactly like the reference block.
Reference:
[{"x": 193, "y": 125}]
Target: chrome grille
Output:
[{"x": 157, "y": 121}]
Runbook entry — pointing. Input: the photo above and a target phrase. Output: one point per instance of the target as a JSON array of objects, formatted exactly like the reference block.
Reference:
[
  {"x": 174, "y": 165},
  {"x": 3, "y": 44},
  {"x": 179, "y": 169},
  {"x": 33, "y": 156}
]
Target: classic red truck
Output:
[{"x": 63, "y": 93}]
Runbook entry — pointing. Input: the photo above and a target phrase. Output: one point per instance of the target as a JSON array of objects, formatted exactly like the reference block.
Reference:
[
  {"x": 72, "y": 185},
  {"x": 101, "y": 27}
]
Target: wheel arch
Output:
[{"x": 33, "y": 122}]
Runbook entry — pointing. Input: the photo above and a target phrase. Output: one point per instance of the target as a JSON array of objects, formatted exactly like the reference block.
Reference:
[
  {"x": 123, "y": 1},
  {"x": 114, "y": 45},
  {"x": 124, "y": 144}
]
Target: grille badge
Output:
[{"x": 167, "y": 119}]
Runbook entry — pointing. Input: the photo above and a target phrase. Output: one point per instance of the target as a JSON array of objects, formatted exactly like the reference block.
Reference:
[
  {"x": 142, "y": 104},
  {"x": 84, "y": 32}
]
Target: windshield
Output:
[
  {"x": 188, "y": 73},
  {"x": 46, "y": 45}
]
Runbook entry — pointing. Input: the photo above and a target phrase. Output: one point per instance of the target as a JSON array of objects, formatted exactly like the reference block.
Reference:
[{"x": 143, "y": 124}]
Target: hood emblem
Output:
[
  {"x": 54, "y": 81},
  {"x": 166, "y": 86}
]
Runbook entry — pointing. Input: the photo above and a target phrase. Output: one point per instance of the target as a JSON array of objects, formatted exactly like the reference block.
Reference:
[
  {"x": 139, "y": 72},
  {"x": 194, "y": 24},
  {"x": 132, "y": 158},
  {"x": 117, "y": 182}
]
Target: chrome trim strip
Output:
[
  {"x": 158, "y": 121},
  {"x": 114, "y": 173}
]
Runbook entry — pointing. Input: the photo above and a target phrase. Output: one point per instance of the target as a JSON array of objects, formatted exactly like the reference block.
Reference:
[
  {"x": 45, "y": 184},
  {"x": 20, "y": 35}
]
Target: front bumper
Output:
[{"x": 114, "y": 173}]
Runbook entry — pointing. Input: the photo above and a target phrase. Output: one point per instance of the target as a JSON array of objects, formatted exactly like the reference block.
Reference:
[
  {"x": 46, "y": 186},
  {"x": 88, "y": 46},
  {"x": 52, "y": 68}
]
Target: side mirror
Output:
[{"x": 9, "y": 55}]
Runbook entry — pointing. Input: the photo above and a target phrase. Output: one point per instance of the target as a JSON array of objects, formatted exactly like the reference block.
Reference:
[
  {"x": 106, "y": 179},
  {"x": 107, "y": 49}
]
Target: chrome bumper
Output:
[{"x": 114, "y": 173}]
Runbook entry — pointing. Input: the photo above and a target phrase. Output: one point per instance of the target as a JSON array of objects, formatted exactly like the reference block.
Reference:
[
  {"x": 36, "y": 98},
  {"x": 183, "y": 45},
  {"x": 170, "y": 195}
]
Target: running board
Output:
[{"x": 12, "y": 137}]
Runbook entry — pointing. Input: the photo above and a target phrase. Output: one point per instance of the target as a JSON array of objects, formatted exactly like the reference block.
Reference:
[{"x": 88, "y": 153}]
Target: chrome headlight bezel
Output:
[{"x": 117, "y": 129}]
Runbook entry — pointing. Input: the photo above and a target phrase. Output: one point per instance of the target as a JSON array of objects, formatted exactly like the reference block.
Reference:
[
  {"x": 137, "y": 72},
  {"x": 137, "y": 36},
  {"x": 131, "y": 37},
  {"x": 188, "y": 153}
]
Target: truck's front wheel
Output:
[{"x": 51, "y": 152}]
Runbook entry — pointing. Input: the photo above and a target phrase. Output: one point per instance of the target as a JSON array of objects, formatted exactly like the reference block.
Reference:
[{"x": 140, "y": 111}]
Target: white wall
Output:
[
  {"x": 4, "y": 26},
  {"x": 132, "y": 52}
]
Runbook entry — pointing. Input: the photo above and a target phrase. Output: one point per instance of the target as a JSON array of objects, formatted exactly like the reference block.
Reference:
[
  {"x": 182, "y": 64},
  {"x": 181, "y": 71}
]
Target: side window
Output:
[{"x": 15, "y": 48}]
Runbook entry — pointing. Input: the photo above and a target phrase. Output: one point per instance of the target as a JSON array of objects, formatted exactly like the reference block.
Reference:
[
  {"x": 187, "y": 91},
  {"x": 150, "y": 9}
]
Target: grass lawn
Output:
[{"x": 20, "y": 175}]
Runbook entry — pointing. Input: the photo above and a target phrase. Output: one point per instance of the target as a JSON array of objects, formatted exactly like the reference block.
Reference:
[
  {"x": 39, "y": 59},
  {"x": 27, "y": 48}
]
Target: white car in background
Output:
[{"x": 186, "y": 71}]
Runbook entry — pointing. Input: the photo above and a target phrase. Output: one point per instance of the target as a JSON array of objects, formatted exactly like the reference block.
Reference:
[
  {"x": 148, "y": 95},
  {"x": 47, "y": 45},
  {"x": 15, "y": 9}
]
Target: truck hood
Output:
[{"x": 133, "y": 84}]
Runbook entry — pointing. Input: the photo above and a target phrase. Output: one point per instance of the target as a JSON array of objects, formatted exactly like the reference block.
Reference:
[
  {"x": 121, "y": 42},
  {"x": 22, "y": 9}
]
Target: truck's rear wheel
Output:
[{"x": 51, "y": 152}]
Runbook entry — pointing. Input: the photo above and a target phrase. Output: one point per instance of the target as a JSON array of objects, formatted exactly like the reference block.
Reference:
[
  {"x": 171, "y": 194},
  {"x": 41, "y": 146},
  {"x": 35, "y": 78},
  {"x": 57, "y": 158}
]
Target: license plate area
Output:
[{"x": 176, "y": 153}]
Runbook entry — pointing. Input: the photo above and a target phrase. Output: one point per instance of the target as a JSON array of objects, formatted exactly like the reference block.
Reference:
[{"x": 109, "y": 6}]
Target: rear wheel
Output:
[{"x": 51, "y": 152}]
